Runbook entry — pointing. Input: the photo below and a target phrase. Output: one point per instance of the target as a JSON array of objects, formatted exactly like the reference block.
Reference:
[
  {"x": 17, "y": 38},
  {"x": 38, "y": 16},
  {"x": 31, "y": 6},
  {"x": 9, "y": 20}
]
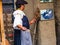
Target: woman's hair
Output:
[{"x": 18, "y": 6}]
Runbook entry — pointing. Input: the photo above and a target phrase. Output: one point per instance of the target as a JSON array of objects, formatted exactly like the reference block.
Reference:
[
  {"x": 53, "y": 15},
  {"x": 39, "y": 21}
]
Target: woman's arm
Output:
[
  {"x": 21, "y": 27},
  {"x": 32, "y": 21},
  {"x": 36, "y": 17}
]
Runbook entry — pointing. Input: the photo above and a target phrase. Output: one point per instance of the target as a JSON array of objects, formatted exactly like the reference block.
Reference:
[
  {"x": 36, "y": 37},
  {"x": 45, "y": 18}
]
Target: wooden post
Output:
[{"x": 2, "y": 26}]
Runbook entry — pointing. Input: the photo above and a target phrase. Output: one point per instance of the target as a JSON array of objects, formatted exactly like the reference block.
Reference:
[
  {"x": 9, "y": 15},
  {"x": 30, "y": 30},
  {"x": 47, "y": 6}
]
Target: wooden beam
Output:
[{"x": 1, "y": 24}]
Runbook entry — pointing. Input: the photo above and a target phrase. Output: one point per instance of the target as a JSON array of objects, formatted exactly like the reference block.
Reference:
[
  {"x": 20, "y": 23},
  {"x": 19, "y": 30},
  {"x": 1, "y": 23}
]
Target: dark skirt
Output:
[{"x": 17, "y": 37}]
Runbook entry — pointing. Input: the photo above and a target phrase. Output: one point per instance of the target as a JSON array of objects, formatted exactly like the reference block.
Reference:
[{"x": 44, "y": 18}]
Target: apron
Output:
[
  {"x": 23, "y": 37},
  {"x": 26, "y": 38}
]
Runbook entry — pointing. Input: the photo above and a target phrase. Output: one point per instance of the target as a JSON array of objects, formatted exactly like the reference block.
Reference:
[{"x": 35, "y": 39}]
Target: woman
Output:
[{"x": 21, "y": 25}]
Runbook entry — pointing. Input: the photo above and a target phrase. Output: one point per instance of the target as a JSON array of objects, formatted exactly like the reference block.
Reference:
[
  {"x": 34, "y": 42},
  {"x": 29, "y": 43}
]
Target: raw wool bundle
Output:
[
  {"x": 37, "y": 14},
  {"x": 37, "y": 17}
]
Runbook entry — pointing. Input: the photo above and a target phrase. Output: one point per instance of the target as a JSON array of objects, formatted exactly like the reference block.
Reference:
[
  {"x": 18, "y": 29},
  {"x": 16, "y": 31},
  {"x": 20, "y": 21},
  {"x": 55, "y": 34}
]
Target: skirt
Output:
[{"x": 17, "y": 37}]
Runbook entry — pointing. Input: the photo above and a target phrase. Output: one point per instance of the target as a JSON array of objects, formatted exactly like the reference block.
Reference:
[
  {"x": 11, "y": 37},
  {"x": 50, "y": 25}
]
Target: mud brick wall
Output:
[
  {"x": 29, "y": 11},
  {"x": 46, "y": 33}
]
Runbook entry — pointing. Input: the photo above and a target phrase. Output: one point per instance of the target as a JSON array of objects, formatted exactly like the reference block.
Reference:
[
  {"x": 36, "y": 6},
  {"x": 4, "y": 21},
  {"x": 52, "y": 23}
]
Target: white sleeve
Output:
[{"x": 17, "y": 20}]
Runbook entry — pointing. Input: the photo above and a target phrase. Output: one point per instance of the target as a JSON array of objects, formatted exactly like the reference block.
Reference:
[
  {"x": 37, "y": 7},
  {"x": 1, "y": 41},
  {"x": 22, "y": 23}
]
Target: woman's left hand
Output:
[{"x": 33, "y": 21}]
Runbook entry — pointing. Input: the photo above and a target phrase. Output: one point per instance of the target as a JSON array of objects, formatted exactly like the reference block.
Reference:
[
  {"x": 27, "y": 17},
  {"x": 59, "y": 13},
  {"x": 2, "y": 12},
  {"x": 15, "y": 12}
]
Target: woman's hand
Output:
[
  {"x": 24, "y": 28},
  {"x": 21, "y": 27},
  {"x": 32, "y": 21}
]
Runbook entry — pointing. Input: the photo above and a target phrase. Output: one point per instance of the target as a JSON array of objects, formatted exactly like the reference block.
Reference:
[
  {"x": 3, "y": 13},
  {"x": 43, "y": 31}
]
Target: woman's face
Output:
[{"x": 22, "y": 7}]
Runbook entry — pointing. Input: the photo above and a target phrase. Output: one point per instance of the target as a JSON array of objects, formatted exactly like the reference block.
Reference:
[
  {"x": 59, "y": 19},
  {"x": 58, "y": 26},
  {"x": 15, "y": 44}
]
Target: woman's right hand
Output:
[{"x": 24, "y": 28}]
